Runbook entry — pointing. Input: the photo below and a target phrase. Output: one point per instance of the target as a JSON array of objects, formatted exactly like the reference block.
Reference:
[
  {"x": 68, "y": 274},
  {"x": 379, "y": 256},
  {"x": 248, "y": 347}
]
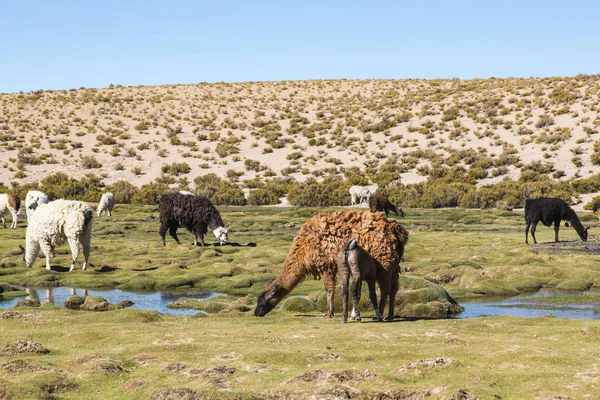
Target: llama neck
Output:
[
  {"x": 215, "y": 221},
  {"x": 574, "y": 220}
]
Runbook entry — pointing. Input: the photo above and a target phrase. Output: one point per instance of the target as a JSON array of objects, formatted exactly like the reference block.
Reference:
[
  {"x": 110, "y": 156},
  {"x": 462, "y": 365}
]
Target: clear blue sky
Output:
[{"x": 68, "y": 44}]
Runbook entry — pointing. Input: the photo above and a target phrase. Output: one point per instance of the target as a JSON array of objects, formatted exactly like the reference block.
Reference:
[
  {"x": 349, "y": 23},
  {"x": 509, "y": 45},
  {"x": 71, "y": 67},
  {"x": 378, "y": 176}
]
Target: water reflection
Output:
[
  {"x": 527, "y": 306},
  {"x": 145, "y": 301}
]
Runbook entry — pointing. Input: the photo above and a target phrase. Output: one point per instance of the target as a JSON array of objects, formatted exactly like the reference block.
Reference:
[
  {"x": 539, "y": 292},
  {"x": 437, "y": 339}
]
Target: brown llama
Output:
[
  {"x": 314, "y": 252},
  {"x": 380, "y": 202}
]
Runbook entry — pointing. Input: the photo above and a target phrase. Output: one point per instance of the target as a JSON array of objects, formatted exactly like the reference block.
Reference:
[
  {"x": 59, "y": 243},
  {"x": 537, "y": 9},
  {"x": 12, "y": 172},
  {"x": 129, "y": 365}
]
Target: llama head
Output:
[
  {"x": 29, "y": 257},
  {"x": 400, "y": 212},
  {"x": 221, "y": 234},
  {"x": 585, "y": 234},
  {"x": 268, "y": 299}
]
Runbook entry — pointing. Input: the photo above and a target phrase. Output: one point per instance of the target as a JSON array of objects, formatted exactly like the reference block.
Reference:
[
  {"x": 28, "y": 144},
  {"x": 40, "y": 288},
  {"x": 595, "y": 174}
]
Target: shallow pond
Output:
[
  {"x": 145, "y": 301},
  {"x": 538, "y": 304},
  {"x": 533, "y": 305}
]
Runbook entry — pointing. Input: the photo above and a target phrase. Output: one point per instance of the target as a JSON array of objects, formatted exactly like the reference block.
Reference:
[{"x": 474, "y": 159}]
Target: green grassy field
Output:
[{"x": 289, "y": 354}]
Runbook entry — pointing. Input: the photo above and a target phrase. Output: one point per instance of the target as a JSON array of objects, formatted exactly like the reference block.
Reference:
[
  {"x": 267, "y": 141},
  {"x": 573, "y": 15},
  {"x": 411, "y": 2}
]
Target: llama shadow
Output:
[
  {"x": 144, "y": 269},
  {"x": 58, "y": 268},
  {"x": 232, "y": 244},
  {"x": 107, "y": 268}
]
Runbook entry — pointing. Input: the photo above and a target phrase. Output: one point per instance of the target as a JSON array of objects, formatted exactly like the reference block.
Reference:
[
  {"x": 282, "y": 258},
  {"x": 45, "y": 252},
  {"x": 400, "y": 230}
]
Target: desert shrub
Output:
[
  {"x": 176, "y": 169},
  {"x": 90, "y": 162},
  {"x": 333, "y": 191},
  {"x": 262, "y": 197},
  {"x": 219, "y": 191},
  {"x": 150, "y": 193},
  {"x": 224, "y": 149},
  {"x": 544, "y": 121},
  {"x": 123, "y": 191},
  {"x": 142, "y": 126},
  {"x": 253, "y": 165},
  {"x": 60, "y": 185}
]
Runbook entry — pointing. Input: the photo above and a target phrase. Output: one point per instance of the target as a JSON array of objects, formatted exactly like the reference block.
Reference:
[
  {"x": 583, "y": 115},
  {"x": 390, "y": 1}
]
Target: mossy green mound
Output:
[
  {"x": 419, "y": 298},
  {"x": 74, "y": 302},
  {"x": 575, "y": 285},
  {"x": 212, "y": 305},
  {"x": 27, "y": 303},
  {"x": 8, "y": 291},
  {"x": 298, "y": 304}
]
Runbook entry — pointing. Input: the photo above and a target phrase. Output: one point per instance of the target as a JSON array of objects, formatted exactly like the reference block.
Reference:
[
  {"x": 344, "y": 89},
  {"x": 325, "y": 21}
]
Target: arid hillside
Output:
[{"x": 494, "y": 128}]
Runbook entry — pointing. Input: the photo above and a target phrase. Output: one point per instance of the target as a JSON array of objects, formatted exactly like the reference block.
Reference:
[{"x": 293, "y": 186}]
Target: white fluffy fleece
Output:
[
  {"x": 34, "y": 199},
  {"x": 107, "y": 202},
  {"x": 55, "y": 223},
  {"x": 5, "y": 205}
]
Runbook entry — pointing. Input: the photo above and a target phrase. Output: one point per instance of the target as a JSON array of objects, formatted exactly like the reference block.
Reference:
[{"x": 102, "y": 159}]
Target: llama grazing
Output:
[
  {"x": 354, "y": 261},
  {"x": 33, "y": 199},
  {"x": 380, "y": 202},
  {"x": 315, "y": 248},
  {"x": 55, "y": 223},
  {"x": 106, "y": 204},
  {"x": 550, "y": 211},
  {"x": 9, "y": 203},
  {"x": 359, "y": 195},
  {"x": 195, "y": 213}
]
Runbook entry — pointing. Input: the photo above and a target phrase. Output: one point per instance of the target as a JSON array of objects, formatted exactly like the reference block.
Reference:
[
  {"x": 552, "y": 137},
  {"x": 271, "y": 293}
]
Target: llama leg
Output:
[
  {"x": 15, "y": 218},
  {"x": 373, "y": 297},
  {"x": 74, "y": 243},
  {"x": 354, "y": 307},
  {"x": 355, "y": 290},
  {"x": 195, "y": 240},
  {"x": 384, "y": 288},
  {"x": 556, "y": 228},
  {"x": 533, "y": 226},
  {"x": 173, "y": 233},
  {"x": 527, "y": 232},
  {"x": 86, "y": 244},
  {"x": 344, "y": 283},
  {"x": 48, "y": 252},
  {"x": 163, "y": 232},
  {"x": 329, "y": 283},
  {"x": 393, "y": 290},
  {"x": 3, "y": 221}
]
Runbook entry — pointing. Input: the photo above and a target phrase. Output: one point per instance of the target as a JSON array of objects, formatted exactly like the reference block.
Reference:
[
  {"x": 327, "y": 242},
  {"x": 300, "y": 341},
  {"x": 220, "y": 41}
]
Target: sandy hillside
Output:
[{"x": 304, "y": 128}]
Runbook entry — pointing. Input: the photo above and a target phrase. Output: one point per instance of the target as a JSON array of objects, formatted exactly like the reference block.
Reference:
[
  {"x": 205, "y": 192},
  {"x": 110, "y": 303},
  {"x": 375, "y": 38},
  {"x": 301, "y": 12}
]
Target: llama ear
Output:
[
  {"x": 587, "y": 228},
  {"x": 22, "y": 249},
  {"x": 274, "y": 290}
]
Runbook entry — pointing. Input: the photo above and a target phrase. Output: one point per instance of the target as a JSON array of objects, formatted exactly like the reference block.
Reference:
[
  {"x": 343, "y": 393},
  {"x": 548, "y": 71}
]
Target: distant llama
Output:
[
  {"x": 195, "y": 213},
  {"x": 550, "y": 211},
  {"x": 360, "y": 194},
  {"x": 34, "y": 199},
  {"x": 9, "y": 203},
  {"x": 106, "y": 204}
]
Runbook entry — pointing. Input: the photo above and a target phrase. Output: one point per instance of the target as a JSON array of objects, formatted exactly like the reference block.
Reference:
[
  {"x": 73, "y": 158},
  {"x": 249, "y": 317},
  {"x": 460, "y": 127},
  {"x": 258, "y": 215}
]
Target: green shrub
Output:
[
  {"x": 333, "y": 191},
  {"x": 176, "y": 169},
  {"x": 262, "y": 197},
  {"x": 150, "y": 193},
  {"x": 90, "y": 162},
  {"x": 123, "y": 191}
]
